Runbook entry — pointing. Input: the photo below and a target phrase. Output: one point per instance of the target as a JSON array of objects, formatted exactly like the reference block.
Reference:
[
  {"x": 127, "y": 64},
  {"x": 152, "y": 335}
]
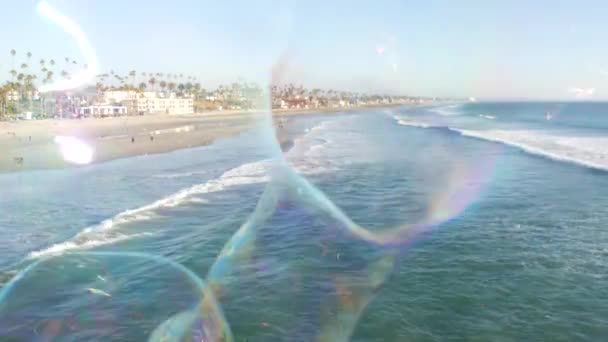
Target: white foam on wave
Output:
[
  {"x": 317, "y": 149},
  {"x": 105, "y": 232},
  {"x": 407, "y": 122},
  {"x": 308, "y": 156},
  {"x": 314, "y": 161},
  {"x": 83, "y": 243},
  {"x": 179, "y": 174},
  {"x": 583, "y": 150},
  {"x": 309, "y": 152},
  {"x": 332, "y": 145},
  {"x": 487, "y": 116},
  {"x": 589, "y": 151},
  {"x": 180, "y": 129},
  {"x": 448, "y": 110}
]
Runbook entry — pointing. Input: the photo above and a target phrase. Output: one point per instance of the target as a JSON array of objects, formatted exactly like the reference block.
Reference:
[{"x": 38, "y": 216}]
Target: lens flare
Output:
[
  {"x": 73, "y": 29},
  {"x": 74, "y": 150}
]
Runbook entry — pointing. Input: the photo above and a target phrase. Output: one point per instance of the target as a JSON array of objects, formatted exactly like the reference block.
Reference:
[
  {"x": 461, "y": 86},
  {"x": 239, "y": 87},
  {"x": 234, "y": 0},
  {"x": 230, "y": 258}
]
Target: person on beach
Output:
[{"x": 132, "y": 140}]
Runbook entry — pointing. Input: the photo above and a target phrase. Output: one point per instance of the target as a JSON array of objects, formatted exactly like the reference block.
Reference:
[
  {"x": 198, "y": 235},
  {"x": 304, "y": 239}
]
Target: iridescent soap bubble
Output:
[
  {"x": 129, "y": 296},
  {"x": 108, "y": 296},
  {"x": 457, "y": 187}
]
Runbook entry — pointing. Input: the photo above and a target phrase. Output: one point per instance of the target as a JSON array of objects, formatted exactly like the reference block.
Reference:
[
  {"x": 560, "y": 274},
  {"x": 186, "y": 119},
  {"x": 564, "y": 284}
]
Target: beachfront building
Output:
[
  {"x": 157, "y": 105},
  {"x": 117, "y": 96},
  {"x": 102, "y": 111},
  {"x": 139, "y": 103},
  {"x": 12, "y": 95}
]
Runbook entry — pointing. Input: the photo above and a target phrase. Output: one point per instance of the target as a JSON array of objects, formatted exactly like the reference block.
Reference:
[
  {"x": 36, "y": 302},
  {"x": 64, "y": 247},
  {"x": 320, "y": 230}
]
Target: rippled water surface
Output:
[{"x": 512, "y": 244}]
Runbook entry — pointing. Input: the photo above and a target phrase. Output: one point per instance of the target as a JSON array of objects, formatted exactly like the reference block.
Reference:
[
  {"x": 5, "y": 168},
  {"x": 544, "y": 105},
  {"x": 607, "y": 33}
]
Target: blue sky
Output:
[{"x": 488, "y": 49}]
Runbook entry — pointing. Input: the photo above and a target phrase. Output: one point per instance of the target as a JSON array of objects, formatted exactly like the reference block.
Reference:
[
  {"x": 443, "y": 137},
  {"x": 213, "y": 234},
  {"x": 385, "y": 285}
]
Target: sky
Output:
[{"x": 485, "y": 49}]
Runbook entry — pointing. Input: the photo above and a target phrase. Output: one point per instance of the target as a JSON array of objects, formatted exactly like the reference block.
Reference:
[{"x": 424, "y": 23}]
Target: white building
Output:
[
  {"x": 13, "y": 95},
  {"x": 102, "y": 111},
  {"x": 150, "y": 102},
  {"x": 159, "y": 105},
  {"x": 117, "y": 96}
]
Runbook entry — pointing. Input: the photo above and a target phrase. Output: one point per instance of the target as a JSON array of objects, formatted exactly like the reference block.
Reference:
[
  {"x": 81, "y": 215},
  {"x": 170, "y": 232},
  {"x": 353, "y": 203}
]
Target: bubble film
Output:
[{"x": 323, "y": 298}]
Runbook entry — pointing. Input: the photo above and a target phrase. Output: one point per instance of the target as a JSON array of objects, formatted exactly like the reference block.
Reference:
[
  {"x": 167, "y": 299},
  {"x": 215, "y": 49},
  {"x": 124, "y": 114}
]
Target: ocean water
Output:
[{"x": 500, "y": 211}]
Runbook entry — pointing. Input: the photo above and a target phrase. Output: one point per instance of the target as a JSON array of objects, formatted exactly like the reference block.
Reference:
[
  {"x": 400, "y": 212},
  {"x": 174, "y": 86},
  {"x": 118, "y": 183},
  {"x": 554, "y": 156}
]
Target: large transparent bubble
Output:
[
  {"x": 321, "y": 298},
  {"x": 106, "y": 296}
]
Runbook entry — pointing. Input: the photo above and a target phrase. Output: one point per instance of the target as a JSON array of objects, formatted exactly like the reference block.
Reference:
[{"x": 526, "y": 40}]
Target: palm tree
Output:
[
  {"x": 52, "y": 63},
  {"x": 142, "y": 86},
  {"x": 163, "y": 85},
  {"x": 24, "y": 66},
  {"x": 42, "y": 67},
  {"x": 132, "y": 73},
  {"x": 181, "y": 88},
  {"x": 3, "y": 101},
  {"x": 13, "y": 74},
  {"x": 171, "y": 86},
  {"x": 4, "y": 90},
  {"x": 13, "y": 53},
  {"x": 19, "y": 85},
  {"x": 29, "y": 88},
  {"x": 152, "y": 82}
]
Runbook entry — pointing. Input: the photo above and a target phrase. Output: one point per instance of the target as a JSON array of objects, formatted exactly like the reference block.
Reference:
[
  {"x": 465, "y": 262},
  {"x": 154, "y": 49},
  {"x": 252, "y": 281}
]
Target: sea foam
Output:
[
  {"x": 589, "y": 151},
  {"x": 448, "y": 110},
  {"x": 104, "y": 233},
  {"x": 586, "y": 151}
]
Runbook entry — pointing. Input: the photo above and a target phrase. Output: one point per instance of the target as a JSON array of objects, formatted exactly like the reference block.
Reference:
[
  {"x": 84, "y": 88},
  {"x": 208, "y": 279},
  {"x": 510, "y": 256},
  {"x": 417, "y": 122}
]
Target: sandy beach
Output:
[{"x": 29, "y": 145}]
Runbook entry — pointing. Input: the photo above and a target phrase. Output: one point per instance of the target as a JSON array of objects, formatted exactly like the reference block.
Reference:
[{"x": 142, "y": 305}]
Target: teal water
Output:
[{"x": 511, "y": 210}]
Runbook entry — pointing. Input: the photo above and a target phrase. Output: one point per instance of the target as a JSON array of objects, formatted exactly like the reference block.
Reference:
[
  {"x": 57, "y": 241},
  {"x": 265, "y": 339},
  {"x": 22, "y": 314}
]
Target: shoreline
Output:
[
  {"x": 30, "y": 144},
  {"x": 295, "y": 111}
]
